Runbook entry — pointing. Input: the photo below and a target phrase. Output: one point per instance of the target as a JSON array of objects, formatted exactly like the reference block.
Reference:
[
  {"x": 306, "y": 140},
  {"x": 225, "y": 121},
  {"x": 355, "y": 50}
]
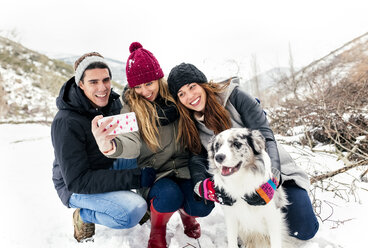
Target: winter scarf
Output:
[{"x": 166, "y": 111}]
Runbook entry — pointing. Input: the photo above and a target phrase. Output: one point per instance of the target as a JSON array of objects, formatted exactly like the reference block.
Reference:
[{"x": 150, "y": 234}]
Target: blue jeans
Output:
[
  {"x": 300, "y": 217},
  {"x": 118, "y": 209},
  {"x": 170, "y": 194}
]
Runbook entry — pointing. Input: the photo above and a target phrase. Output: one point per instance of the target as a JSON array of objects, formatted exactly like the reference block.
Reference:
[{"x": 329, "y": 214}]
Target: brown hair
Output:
[
  {"x": 147, "y": 117},
  {"x": 216, "y": 117}
]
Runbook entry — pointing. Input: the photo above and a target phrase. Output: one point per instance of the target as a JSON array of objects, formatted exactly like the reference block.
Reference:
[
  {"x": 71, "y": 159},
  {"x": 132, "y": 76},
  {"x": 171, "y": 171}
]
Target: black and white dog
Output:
[{"x": 240, "y": 165}]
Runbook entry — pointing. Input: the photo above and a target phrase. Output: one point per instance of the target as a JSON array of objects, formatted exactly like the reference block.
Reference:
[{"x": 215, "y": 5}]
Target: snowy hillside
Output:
[
  {"x": 341, "y": 59},
  {"x": 346, "y": 63},
  {"x": 30, "y": 82},
  {"x": 26, "y": 102},
  {"x": 32, "y": 215}
]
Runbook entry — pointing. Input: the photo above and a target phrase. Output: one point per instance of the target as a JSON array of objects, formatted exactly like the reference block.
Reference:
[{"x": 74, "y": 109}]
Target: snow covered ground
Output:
[{"x": 32, "y": 215}]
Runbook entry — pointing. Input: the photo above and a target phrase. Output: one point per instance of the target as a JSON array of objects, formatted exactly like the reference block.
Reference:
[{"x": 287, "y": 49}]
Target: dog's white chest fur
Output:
[{"x": 240, "y": 165}]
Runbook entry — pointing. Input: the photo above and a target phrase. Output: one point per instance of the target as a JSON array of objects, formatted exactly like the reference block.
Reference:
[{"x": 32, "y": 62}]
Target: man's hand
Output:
[
  {"x": 101, "y": 134},
  {"x": 208, "y": 191}
]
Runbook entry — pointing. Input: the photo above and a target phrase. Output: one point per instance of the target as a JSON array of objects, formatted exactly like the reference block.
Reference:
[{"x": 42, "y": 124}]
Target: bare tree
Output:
[
  {"x": 293, "y": 82},
  {"x": 3, "y": 102},
  {"x": 290, "y": 83}
]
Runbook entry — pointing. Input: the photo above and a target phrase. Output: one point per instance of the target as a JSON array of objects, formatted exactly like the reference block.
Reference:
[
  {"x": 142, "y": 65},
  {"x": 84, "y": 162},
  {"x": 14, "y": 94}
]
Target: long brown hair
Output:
[
  {"x": 147, "y": 117},
  {"x": 216, "y": 117}
]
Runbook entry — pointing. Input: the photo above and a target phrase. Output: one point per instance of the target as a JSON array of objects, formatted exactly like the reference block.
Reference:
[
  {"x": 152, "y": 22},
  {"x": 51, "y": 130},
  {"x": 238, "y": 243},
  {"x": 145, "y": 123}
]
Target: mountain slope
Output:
[
  {"x": 30, "y": 83},
  {"x": 346, "y": 63}
]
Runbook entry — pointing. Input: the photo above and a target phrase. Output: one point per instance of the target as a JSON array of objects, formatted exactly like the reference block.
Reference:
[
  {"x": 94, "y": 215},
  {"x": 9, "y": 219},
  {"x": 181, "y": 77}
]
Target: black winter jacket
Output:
[{"x": 79, "y": 166}]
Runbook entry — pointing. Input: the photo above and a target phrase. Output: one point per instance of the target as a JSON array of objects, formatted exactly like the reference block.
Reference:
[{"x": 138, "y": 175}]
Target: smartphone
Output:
[{"x": 126, "y": 123}]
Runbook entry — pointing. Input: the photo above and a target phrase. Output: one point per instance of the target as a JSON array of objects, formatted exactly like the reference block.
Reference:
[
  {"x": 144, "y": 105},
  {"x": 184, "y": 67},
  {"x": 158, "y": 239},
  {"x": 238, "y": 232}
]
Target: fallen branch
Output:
[
  {"x": 334, "y": 173},
  {"x": 362, "y": 176},
  {"x": 354, "y": 125},
  {"x": 337, "y": 142}
]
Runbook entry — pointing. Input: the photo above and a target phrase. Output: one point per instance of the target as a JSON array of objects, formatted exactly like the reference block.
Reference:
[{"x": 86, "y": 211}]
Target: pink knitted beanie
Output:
[{"x": 142, "y": 66}]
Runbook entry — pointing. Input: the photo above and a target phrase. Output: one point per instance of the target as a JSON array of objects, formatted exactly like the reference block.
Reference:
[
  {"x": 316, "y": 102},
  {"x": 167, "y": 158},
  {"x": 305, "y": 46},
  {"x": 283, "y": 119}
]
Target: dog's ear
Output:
[
  {"x": 210, "y": 147},
  {"x": 254, "y": 139},
  {"x": 211, "y": 154},
  {"x": 258, "y": 141}
]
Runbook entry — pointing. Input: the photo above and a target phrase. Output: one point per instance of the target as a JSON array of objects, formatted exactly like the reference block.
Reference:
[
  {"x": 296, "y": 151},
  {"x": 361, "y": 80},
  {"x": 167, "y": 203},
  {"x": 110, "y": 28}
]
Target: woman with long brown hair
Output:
[{"x": 207, "y": 108}]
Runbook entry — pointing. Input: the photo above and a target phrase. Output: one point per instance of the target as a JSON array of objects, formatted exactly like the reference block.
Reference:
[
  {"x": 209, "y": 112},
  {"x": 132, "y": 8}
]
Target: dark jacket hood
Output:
[{"x": 72, "y": 98}]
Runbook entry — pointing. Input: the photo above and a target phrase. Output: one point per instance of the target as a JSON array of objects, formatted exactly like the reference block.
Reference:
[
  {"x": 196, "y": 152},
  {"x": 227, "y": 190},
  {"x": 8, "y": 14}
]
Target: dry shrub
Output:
[
  {"x": 3, "y": 101},
  {"x": 339, "y": 115}
]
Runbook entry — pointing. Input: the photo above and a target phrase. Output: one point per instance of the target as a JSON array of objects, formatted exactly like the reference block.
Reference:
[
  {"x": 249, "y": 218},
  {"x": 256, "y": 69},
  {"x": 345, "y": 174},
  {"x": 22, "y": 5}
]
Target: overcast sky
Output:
[{"x": 195, "y": 31}]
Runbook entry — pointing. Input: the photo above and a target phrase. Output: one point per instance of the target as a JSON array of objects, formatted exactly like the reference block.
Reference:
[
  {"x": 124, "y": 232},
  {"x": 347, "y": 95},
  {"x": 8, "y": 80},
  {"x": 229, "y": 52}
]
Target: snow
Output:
[
  {"x": 34, "y": 103},
  {"x": 33, "y": 216},
  {"x": 131, "y": 62}
]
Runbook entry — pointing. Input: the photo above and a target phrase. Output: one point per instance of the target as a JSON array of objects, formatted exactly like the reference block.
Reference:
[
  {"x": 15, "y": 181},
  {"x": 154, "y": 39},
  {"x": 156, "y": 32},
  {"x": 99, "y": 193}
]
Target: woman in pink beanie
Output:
[{"x": 156, "y": 145}]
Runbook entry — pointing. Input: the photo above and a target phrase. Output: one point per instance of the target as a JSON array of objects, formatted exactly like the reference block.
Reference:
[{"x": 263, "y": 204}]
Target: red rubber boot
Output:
[
  {"x": 191, "y": 227},
  {"x": 158, "y": 228}
]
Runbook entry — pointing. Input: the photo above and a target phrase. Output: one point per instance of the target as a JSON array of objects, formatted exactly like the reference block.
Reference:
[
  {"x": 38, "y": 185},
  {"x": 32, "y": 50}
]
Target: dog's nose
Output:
[{"x": 220, "y": 157}]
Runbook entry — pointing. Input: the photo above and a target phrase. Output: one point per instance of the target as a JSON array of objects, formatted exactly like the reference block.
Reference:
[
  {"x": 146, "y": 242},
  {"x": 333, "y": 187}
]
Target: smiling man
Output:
[
  {"x": 85, "y": 179},
  {"x": 97, "y": 87}
]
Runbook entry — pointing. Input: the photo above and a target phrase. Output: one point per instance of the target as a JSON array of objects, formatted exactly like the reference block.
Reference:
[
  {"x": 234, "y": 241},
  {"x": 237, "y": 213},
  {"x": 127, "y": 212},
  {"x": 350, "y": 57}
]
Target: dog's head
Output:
[{"x": 233, "y": 149}]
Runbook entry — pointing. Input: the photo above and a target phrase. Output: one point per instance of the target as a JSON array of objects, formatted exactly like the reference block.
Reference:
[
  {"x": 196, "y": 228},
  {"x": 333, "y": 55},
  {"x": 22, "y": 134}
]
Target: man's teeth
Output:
[
  {"x": 101, "y": 95},
  {"x": 195, "y": 101}
]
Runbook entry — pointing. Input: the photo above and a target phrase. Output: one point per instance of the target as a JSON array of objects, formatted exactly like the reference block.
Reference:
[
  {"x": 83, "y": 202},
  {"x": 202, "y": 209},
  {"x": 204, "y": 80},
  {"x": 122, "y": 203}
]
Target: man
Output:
[{"x": 84, "y": 178}]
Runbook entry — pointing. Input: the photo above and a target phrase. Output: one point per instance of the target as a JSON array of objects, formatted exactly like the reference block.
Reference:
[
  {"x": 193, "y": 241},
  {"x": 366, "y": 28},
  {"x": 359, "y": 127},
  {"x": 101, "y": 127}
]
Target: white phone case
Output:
[{"x": 127, "y": 123}]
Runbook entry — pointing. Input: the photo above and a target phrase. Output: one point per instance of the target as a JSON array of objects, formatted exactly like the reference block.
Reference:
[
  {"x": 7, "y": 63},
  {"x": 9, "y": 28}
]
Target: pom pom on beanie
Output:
[{"x": 134, "y": 46}]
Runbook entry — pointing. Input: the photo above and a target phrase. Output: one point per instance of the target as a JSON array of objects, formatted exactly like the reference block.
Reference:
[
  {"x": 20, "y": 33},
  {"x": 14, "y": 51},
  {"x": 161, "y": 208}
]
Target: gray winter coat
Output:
[{"x": 246, "y": 112}]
